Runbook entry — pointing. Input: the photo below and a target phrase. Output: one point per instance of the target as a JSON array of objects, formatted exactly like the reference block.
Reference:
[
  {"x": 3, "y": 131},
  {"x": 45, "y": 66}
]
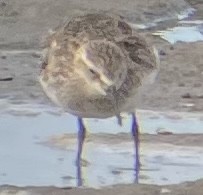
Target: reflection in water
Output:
[
  {"x": 135, "y": 135},
  {"x": 79, "y": 174},
  {"x": 81, "y": 138},
  {"x": 44, "y": 153}
]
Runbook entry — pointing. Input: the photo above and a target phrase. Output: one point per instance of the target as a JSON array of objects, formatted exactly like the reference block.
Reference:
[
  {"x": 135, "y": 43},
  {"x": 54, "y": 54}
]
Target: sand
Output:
[
  {"x": 179, "y": 86},
  {"x": 188, "y": 188}
]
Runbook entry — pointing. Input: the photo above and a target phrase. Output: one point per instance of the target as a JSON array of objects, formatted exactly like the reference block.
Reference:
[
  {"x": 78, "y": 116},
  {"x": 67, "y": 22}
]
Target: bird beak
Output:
[
  {"x": 103, "y": 84},
  {"x": 101, "y": 90},
  {"x": 106, "y": 80}
]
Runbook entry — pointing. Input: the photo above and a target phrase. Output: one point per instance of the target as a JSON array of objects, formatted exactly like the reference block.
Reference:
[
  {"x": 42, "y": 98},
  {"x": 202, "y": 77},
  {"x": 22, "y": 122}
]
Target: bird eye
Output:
[{"x": 92, "y": 71}]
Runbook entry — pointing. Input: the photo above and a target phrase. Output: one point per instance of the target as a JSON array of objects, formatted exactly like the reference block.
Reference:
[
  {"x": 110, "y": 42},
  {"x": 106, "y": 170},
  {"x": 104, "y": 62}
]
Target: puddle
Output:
[
  {"x": 24, "y": 161},
  {"x": 188, "y": 31},
  {"x": 22, "y": 115},
  {"x": 181, "y": 33}
]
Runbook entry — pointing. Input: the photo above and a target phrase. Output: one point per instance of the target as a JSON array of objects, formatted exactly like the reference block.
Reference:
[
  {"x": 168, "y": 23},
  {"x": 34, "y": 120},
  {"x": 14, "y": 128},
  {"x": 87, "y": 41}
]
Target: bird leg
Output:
[
  {"x": 119, "y": 120},
  {"x": 135, "y": 135},
  {"x": 81, "y": 138}
]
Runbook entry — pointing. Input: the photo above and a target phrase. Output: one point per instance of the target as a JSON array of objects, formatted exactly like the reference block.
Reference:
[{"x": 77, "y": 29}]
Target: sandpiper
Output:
[{"x": 94, "y": 66}]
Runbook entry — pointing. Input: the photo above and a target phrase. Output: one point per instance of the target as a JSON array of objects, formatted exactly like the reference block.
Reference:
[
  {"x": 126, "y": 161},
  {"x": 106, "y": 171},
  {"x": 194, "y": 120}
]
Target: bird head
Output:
[{"x": 102, "y": 65}]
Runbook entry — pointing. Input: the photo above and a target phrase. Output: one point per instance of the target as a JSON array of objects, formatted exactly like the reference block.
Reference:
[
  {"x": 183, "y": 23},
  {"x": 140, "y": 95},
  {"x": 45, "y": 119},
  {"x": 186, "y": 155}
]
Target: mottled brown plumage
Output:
[{"x": 94, "y": 66}]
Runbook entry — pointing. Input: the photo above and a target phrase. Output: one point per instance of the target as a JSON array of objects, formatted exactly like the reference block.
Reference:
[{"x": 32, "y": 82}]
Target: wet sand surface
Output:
[
  {"x": 194, "y": 188},
  {"x": 178, "y": 87},
  {"x": 41, "y": 154}
]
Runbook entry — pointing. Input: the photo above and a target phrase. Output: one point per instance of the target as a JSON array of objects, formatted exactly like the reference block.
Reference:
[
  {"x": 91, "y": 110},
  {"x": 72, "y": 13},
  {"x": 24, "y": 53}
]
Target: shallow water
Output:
[
  {"x": 180, "y": 16},
  {"x": 24, "y": 161},
  {"x": 22, "y": 115},
  {"x": 188, "y": 31},
  {"x": 182, "y": 33}
]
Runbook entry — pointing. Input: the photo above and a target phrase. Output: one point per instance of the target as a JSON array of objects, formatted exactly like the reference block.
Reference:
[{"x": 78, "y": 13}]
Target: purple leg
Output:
[
  {"x": 81, "y": 137},
  {"x": 135, "y": 134}
]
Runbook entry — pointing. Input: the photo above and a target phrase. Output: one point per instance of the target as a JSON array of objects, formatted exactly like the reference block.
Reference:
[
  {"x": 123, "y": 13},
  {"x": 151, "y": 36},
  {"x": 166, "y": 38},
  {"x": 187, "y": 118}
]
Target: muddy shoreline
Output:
[{"x": 193, "y": 188}]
